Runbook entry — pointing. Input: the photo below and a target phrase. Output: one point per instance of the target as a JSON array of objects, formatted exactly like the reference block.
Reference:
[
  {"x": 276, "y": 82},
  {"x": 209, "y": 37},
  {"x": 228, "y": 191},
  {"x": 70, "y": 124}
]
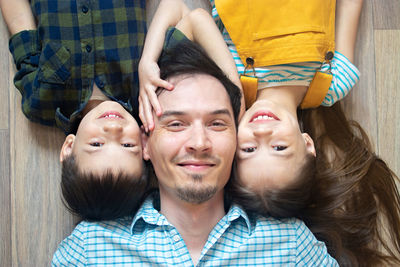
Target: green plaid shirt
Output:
[{"x": 76, "y": 44}]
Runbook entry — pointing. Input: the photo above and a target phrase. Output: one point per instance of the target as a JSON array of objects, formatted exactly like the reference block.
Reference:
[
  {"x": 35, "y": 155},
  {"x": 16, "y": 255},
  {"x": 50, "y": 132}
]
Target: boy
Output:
[{"x": 77, "y": 62}]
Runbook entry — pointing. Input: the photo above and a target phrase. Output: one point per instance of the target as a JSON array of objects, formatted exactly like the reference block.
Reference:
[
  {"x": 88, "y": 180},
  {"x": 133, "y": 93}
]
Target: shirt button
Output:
[
  {"x": 88, "y": 48},
  {"x": 85, "y": 9},
  {"x": 176, "y": 238}
]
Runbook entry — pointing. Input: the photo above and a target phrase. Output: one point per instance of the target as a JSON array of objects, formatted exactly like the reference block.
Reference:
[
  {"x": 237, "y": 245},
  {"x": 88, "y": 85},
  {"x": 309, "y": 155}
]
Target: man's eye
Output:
[
  {"x": 218, "y": 125},
  {"x": 96, "y": 144},
  {"x": 127, "y": 145},
  {"x": 249, "y": 149},
  {"x": 175, "y": 124},
  {"x": 279, "y": 148}
]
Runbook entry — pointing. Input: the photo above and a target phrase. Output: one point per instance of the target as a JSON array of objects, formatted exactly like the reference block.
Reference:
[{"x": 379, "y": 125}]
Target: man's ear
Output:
[
  {"x": 309, "y": 144},
  {"x": 145, "y": 141},
  {"x": 66, "y": 149}
]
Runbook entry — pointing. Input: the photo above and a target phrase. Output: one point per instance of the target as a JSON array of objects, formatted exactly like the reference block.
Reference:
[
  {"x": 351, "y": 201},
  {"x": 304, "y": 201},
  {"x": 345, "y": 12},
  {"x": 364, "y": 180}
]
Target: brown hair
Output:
[
  {"x": 347, "y": 196},
  {"x": 101, "y": 197}
]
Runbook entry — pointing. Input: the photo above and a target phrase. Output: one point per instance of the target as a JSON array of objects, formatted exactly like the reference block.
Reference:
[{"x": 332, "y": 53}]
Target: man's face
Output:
[
  {"x": 193, "y": 143},
  {"x": 108, "y": 138}
]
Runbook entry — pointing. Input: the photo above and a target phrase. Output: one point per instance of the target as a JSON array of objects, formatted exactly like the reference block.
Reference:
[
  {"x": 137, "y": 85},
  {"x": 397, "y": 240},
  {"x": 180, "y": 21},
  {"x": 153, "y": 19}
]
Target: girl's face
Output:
[{"x": 271, "y": 149}]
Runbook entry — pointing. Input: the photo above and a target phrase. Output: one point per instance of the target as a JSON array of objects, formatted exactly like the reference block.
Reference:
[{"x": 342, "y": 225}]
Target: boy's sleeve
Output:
[
  {"x": 41, "y": 75},
  {"x": 71, "y": 251},
  {"x": 345, "y": 77},
  {"x": 310, "y": 251}
]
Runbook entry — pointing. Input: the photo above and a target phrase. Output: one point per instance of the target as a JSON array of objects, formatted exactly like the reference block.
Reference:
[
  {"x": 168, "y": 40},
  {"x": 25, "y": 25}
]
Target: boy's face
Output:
[
  {"x": 271, "y": 149},
  {"x": 108, "y": 138}
]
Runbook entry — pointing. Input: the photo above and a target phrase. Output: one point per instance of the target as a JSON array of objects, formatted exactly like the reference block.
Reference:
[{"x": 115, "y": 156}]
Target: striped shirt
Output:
[
  {"x": 150, "y": 240},
  {"x": 76, "y": 44},
  {"x": 345, "y": 74}
]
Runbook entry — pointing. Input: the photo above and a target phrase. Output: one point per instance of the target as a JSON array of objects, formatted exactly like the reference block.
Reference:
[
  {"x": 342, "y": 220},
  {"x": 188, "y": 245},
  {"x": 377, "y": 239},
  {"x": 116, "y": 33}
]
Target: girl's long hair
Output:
[
  {"x": 347, "y": 195},
  {"x": 355, "y": 203}
]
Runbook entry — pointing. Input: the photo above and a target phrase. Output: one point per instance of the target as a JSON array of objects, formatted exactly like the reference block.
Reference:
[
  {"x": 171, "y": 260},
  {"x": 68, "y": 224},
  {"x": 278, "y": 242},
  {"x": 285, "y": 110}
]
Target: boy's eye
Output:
[
  {"x": 96, "y": 144},
  {"x": 249, "y": 149},
  {"x": 127, "y": 145},
  {"x": 279, "y": 148}
]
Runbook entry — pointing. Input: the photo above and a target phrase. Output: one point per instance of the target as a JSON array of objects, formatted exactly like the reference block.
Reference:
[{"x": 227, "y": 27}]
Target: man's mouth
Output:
[
  {"x": 111, "y": 115},
  {"x": 196, "y": 165},
  {"x": 263, "y": 116}
]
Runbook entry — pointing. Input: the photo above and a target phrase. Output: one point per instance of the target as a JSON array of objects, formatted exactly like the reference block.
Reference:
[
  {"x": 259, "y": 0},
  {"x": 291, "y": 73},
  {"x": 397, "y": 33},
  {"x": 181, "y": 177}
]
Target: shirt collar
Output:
[
  {"x": 150, "y": 215},
  {"x": 236, "y": 212}
]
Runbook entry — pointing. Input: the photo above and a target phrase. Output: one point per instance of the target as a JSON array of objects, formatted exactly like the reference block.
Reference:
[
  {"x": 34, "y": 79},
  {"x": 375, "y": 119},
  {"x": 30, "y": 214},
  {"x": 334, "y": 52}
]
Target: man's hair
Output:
[
  {"x": 187, "y": 57},
  {"x": 101, "y": 197}
]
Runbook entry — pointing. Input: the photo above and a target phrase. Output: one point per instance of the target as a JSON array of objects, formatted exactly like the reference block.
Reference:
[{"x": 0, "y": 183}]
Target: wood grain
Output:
[
  {"x": 5, "y": 205},
  {"x": 386, "y": 14},
  {"x": 360, "y": 104},
  {"x": 387, "y": 54},
  {"x": 40, "y": 221},
  {"x": 5, "y": 78}
]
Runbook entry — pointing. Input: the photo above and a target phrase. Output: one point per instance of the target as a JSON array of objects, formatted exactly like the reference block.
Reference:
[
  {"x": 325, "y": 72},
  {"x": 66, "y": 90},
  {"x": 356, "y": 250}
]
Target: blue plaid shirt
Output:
[
  {"x": 150, "y": 240},
  {"x": 76, "y": 44}
]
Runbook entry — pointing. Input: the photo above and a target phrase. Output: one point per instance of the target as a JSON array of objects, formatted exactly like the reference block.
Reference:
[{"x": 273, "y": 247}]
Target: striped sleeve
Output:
[
  {"x": 345, "y": 76},
  {"x": 310, "y": 251},
  {"x": 71, "y": 251}
]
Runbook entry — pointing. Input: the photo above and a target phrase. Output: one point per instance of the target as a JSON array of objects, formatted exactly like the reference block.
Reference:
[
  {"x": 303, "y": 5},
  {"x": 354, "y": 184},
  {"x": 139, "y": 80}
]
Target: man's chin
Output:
[{"x": 196, "y": 195}]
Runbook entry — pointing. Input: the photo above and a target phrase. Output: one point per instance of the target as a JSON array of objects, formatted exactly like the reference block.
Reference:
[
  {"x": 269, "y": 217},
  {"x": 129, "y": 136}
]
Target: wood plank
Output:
[
  {"x": 360, "y": 104},
  {"x": 387, "y": 53},
  {"x": 5, "y": 205},
  {"x": 5, "y": 77},
  {"x": 386, "y": 14},
  {"x": 40, "y": 221}
]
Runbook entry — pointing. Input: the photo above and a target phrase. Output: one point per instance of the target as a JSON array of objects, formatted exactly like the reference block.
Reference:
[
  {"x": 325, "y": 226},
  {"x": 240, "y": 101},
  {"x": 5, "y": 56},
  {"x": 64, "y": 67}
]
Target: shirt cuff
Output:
[{"x": 23, "y": 45}]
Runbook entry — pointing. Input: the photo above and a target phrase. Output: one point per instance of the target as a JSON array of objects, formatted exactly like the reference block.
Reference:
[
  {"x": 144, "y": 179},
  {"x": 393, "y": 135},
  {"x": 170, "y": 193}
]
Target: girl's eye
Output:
[
  {"x": 279, "y": 148},
  {"x": 249, "y": 149},
  {"x": 96, "y": 144},
  {"x": 127, "y": 145}
]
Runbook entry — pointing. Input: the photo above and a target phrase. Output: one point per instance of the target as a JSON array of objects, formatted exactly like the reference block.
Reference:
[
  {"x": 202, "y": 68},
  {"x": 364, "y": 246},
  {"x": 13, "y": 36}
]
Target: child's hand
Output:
[{"x": 149, "y": 80}]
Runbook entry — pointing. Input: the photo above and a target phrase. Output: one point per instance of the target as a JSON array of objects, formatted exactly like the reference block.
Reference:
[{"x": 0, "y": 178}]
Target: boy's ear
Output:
[
  {"x": 66, "y": 149},
  {"x": 309, "y": 144},
  {"x": 145, "y": 139}
]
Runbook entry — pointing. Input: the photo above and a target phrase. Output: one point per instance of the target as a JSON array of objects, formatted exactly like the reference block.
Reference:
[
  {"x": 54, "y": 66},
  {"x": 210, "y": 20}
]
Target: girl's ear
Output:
[
  {"x": 66, "y": 149},
  {"x": 309, "y": 144}
]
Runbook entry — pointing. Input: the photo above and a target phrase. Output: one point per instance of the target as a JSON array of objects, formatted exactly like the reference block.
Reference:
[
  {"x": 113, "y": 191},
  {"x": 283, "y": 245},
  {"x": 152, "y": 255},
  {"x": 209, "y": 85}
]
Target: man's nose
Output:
[{"x": 199, "y": 140}]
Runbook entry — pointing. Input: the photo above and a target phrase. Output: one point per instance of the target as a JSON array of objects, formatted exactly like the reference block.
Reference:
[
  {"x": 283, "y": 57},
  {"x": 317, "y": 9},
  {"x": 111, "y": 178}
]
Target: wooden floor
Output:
[{"x": 32, "y": 218}]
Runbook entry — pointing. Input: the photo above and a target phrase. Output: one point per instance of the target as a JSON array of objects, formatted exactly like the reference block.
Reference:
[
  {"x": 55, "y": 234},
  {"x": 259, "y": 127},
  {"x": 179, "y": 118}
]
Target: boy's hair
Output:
[
  {"x": 347, "y": 196},
  {"x": 101, "y": 197},
  {"x": 187, "y": 57}
]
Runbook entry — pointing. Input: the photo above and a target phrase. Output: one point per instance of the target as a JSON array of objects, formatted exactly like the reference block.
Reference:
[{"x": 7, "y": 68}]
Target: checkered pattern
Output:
[
  {"x": 150, "y": 240},
  {"x": 78, "y": 43},
  {"x": 345, "y": 74}
]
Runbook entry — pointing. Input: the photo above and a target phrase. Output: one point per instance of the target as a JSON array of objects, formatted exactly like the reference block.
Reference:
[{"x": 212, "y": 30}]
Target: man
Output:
[{"x": 188, "y": 223}]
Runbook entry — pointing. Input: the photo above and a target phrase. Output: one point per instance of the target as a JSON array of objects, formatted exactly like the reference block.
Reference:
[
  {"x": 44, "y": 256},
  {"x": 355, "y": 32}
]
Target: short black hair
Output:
[
  {"x": 101, "y": 197},
  {"x": 187, "y": 57}
]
